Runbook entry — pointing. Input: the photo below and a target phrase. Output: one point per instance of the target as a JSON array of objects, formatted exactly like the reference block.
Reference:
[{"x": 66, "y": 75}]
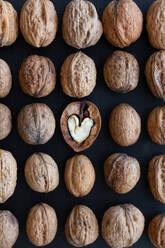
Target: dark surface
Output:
[{"x": 101, "y": 196}]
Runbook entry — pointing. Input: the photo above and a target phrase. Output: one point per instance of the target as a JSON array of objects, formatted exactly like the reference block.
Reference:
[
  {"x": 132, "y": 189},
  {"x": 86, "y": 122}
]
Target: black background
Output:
[{"x": 101, "y": 197}]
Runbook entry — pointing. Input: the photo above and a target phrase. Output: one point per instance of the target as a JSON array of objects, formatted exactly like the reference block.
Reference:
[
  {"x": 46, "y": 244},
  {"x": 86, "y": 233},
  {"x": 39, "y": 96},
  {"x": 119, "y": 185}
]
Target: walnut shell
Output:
[
  {"x": 37, "y": 76},
  {"x": 5, "y": 79},
  {"x": 41, "y": 224},
  {"x": 121, "y": 172},
  {"x": 78, "y": 75},
  {"x": 8, "y": 24},
  {"x": 81, "y": 26},
  {"x": 79, "y": 175},
  {"x": 5, "y": 121},
  {"x": 122, "y": 22},
  {"x": 155, "y": 125},
  {"x": 38, "y": 22},
  {"x": 124, "y": 125},
  {"x": 122, "y": 225},
  {"x": 81, "y": 228},
  {"x": 36, "y": 123},
  {"x": 121, "y": 72},
  {"x": 9, "y": 229}
]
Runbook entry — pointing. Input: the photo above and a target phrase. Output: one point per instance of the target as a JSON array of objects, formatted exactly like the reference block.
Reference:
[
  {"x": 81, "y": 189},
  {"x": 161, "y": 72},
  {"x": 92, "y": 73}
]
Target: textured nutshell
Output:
[
  {"x": 78, "y": 75},
  {"x": 81, "y": 228},
  {"x": 36, "y": 123},
  {"x": 5, "y": 121},
  {"x": 122, "y": 225},
  {"x": 121, "y": 72},
  {"x": 155, "y": 22},
  {"x": 41, "y": 224},
  {"x": 38, "y": 22},
  {"x": 8, "y": 24},
  {"x": 81, "y": 26},
  {"x": 37, "y": 76},
  {"x": 79, "y": 175},
  {"x": 124, "y": 125},
  {"x": 82, "y": 110},
  {"x": 5, "y": 79},
  {"x": 122, "y": 22},
  {"x": 9, "y": 229},
  {"x": 156, "y": 126},
  {"x": 155, "y": 74},
  {"x": 121, "y": 172},
  {"x": 41, "y": 173}
]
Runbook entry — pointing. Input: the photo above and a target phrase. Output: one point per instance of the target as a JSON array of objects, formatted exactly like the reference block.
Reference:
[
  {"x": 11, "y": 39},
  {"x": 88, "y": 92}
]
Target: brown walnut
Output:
[
  {"x": 36, "y": 123},
  {"x": 38, "y": 22},
  {"x": 5, "y": 121},
  {"x": 81, "y": 228},
  {"x": 81, "y": 26},
  {"x": 5, "y": 79},
  {"x": 124, "y": 125},
  {"x": 78, "y": 75},
  {"x": 37, "y": 76},
  {"x": 122, "y": 225},
  {"x": 122, "y": 22}
]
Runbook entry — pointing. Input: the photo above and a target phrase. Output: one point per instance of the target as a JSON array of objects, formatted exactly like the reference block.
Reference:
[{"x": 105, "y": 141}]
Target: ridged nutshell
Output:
[
  {"x": 5, "y": 121},
  {"x": 5, "y": 79}
]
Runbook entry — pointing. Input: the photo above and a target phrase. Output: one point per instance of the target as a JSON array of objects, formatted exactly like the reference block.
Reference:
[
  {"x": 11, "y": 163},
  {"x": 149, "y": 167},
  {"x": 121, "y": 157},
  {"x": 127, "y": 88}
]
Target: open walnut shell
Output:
[{"x": 87, "y": 114}]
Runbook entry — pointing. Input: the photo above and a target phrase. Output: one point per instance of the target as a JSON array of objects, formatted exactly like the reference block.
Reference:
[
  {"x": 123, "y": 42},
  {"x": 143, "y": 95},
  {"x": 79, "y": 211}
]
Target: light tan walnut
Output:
[
  {"x": 5, "y": 121},
  {"x": 5, "y": 79}
]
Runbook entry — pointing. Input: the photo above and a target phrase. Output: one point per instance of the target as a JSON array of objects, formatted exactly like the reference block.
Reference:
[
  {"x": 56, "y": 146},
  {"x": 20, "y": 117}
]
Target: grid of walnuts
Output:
[{"x": 122, "y": 24}]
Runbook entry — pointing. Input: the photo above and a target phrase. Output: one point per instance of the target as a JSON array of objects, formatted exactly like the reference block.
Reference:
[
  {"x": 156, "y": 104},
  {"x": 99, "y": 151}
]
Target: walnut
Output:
[
  {"x": 155, "y": 125},
  {"x": 122, "y": 225},
  {"x": 124, "y": 125},
  {"x": 122, "y": 22},
  {"x": 5, "y": 121},
  {"x": 9, "y": 229},
  {"x": 78, "y": 75},
  {"x": 80, "y": 124},
  {"x": 81, "y": 228},
  {"x": 41, "y": 172},
  {"x": 121, "y": 172},
  {"x": 38, "y": 22},
  {"x": 37, "y": 76},
  {"x": 8, "y": 24},
  {"x": 79, "y": 175},
  {"x": 81, "y": 26},
  {"x": 121, "y": 72},
  {"x": 41, "y": 224},
  {"x": 5, "y": 79},
  {"x": 36, "y": 123}
]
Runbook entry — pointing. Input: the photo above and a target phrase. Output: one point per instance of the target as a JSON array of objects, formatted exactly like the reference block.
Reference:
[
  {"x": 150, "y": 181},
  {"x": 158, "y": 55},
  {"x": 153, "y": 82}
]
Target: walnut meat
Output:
[
  {"x": 38, "y": 22},
  {"x": 122, "y": 22},
  {"x": 124, "y": 125},
  {"x": 36, "y": 123},
  {"x": 8, "y": 24},
  {"x": 41, "y": 224},
  {"x": 37, "y": 76},
  {"x": 81, "y": 228},
  {"x": 9, "y": 229},
  {"x": 5, "y": 121},
  {"x": 5, "y": 79},
  {"x": 121, "y": 72},
  {"x": 122, "y": 225},
  {"x": 121, "y": 172},
  {"x": 81, "y": 26},
  {"x": 79, "y": 175},
  {"x": 78, "y": 75},
  {"x": 41, "y": 172}
]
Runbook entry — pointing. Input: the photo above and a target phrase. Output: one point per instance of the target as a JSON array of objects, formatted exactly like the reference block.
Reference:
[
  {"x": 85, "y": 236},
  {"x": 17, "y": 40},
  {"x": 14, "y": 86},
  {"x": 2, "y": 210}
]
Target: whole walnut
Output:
[
  {"x": 79, "y": 175},
  {"x": 121, "y": 72},
  {"x": 81, "y": 228},
  {"x": 41, "y": 172},
  {"x": 122, "y": 22},
  {"x": 37, "y": 76},
  {"x": 41, "y": 224},
  {"x": 122, "y": 225},
  {"x": 121, "y": 172},
  {"x": 9, "y": 229},
  {"x": 8, "y": 24},
  {"x": 5, "y": 121},
  {"x": 36, "y": 123},
  {"x": 81, "y": 26},
  {"x": 38, "y": 22},
  {"x": 78, "y": 75},
  {"x": 124, "y": 125},
  {"x": 155, "y": 125},
  {"x": 5, "y": 79}
]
